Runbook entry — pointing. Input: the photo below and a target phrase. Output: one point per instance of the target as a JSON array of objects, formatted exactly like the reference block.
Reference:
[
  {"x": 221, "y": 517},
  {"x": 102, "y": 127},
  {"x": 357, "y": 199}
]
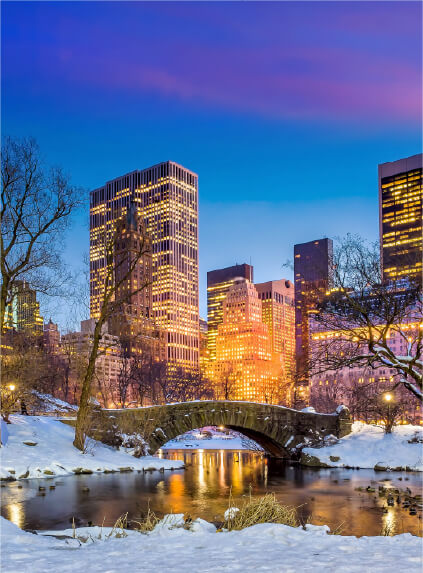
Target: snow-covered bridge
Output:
[{"x": 276, "y": 428}]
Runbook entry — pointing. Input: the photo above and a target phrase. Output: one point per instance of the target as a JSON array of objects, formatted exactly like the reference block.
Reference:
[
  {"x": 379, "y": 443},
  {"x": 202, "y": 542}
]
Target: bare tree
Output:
[
  {"x": 36, "y": 202},
  {"x": 181, "y": 385},
  {"x": 114, "y": 294},
  {"x": 355, "y": 323}
]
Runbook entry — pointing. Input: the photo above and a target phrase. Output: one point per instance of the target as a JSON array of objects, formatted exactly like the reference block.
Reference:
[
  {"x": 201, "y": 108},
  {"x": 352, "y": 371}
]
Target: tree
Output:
[
  {"x": 36, "y": 204},
  {"x": 179, "y": 385},
  {"x": 355, "y": 323},
  {"x": 114, "y": 294}
]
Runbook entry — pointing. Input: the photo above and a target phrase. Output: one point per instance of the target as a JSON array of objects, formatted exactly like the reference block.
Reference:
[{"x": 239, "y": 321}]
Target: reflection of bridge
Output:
[{"x": 275, "y": 428}]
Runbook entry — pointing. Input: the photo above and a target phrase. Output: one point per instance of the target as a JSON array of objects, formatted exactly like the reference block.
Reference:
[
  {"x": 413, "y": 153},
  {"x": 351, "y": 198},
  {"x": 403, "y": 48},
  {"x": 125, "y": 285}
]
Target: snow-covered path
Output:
[{"x": 265, "y": 547}]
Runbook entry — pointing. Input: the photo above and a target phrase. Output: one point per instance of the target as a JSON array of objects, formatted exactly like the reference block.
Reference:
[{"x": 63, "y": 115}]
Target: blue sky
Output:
[{"x": 283, "y": 109}]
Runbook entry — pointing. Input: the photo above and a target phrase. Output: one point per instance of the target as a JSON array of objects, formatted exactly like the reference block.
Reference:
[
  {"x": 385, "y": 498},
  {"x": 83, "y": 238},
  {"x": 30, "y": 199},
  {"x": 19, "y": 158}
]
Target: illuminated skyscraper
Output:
[
  {"x": 400, "y": 218},
  {"x": 277, "y": 298},
  {"x": 313, "y": 277},
  {"x": 23, "y": 314},
  {"x": 245, "y": 367},
  {"x": 166, "y": 199},
  {"x": 218, "y": 284}
]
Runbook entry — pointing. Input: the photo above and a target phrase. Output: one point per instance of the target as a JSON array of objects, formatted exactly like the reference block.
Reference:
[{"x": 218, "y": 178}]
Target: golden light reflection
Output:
[{"x": 16, "y": 514}]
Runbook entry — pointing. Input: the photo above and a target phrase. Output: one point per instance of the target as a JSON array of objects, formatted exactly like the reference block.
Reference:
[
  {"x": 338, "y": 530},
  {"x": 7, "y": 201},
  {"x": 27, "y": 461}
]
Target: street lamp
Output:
[
  {"x": 388, "y": 397},
  {"x": 12, "y": 387}
]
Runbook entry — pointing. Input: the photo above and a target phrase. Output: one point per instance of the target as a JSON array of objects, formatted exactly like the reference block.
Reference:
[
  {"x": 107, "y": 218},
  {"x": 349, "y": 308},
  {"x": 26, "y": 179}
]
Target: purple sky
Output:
[{"x": 283, "y": 109}]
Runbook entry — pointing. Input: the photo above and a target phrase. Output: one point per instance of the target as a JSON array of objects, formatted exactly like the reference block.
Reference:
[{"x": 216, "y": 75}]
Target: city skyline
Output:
[{"x": 287, "y": 149}]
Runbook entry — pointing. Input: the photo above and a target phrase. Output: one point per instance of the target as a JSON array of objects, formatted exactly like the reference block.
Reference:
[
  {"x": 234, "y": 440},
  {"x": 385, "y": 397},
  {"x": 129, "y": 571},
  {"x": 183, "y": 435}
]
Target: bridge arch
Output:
[{"x": 276, "y": 428}]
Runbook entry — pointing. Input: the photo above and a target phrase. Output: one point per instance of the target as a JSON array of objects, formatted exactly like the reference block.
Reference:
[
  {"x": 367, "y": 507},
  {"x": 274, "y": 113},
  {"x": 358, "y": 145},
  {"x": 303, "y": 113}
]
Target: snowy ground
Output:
[
  {"x": 264, "y": 547},
  {"x": 212, "y": 439},
  {"x": 41, "y": 446},
  {"x": 368, "y": 446}
]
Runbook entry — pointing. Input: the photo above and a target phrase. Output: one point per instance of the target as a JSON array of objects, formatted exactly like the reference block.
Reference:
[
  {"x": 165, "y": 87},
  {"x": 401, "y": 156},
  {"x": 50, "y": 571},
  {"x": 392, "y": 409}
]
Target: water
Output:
[{"x": 329, "y": 496}]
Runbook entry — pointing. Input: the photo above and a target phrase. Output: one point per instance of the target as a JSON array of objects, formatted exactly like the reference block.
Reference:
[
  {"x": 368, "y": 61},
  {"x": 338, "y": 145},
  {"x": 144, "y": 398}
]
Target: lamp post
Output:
[{"x": 388, "y": 399}]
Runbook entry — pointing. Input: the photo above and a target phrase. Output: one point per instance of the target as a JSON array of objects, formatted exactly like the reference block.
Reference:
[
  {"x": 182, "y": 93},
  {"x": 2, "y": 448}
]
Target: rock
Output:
[
  {"x": 85, "y": 489},
  {"x": 41, "y": 488},
  {"x": 381, "y": 467},
  {"x": 25, "y": 475},
  {"x": 334, "y": 458},
  {"x": 109, "y": 471},
  {"x": 126, "y": 469},
  {"x": 49, "y": 473},
  {"x": 81, "y": 471},
  {"x": 19, "y": 486},
  {"x": 52, "y": 487},
  {"x": 313, "y": 461},
  {"x": 30, "y": 443}
]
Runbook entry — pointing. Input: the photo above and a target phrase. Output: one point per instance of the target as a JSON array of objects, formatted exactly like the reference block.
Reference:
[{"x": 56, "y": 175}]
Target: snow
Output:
[
  {"x": 216, "y": 440},
  {"x": 368, "y": 446},
  {"x": 170, "y": 547},
  {"x": 48, "y": 403},
  {"x": 54, "y": 453}
]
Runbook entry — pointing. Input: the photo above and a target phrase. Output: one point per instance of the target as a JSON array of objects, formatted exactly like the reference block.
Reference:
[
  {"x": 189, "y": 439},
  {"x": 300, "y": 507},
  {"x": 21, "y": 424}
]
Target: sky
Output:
[{"x": 283, "y": 109}]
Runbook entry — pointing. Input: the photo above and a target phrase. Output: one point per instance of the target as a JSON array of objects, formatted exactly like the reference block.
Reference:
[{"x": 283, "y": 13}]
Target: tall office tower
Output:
[
  {"x": 218, "y": 284},
  {"x": 313, "y": 277},
  {"x": 277, "y": 298},
  {"x": 166, "y": 198},
  {"x": 245, "y": 367},
  {"x": 23, "y": 314},
  {"x": 133, "y": 321},
  {"x": 400, "y": 218}
]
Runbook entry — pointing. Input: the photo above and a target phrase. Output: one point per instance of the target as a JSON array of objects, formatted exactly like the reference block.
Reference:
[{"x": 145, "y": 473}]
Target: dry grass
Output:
[
  {"x": 148, "y": 523},
  {"x": 265, "y": 509}
]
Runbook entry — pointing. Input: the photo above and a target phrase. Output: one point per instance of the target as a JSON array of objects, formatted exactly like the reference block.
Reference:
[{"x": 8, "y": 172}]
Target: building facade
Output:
[
  {"x": 166, "y": 199},
  {"x": 278, "y": 306},
  {"x": 245, "y": 367},
  {"x": 400, "y": 218},
  {"x": 313, "y": 277},
  {"x": 23, "y": 314},
  {"x": 218, "y": 284}
]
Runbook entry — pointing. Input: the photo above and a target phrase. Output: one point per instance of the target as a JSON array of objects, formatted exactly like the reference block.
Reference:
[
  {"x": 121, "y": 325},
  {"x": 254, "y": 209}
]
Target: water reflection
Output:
[{"x": 329, "y": 496}]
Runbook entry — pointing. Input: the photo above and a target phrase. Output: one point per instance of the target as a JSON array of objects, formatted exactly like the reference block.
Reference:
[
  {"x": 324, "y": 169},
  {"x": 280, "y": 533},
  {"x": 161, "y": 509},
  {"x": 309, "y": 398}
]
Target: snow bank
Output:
[
  {"x": 216, "y": 440},
  {"x": 265, "y": 547},
  {"x": 41, "y": 447},
  {"x": 368, "y": 446}
]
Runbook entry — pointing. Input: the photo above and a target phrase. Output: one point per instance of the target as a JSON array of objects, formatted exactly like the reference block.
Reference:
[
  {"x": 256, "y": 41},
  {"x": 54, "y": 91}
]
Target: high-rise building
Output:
[
  {"x": 277, "y": 298},
  {"x": 23, "y": 314},
  {"x": 204, "y": 353},
  {"x": 166, "y": 199},
  {"x": 313, "y": 277},
  {"x": 400, "y": 218},
  {"x": 51, "y": 337},
  {"x": 133, "y": 322},
  {"x": 245, "y": 367},
  {"x": 218, "y": 285}
]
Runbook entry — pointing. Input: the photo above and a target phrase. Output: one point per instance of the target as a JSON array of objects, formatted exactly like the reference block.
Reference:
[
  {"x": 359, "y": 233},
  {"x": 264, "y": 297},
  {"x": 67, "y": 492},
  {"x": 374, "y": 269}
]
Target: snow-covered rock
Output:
[
  {"x": 42, "y": 447},
  {"x": 369, "y": 447}
]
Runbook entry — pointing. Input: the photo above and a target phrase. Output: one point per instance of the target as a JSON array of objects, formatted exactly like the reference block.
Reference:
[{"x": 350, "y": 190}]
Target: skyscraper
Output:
[
  {"x": 245, "y": 368},
  {"x": 166, "y": 199},
  {"x": 277, "y": 298},
  {"x": 23, "y": 314},
  {"x": 218, "y": 285},
  {"x": 313, "y": 277},
  {"x": 400, "y": 218}
]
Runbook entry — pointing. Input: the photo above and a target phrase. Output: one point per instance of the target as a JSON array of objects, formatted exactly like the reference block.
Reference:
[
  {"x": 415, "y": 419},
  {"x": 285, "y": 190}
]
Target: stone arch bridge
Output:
[{"x": 276, "y": 428}]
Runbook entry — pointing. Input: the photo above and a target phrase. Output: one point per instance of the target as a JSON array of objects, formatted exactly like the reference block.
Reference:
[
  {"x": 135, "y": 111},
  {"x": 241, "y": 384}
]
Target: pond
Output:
[{"x": 202, "y": 489}]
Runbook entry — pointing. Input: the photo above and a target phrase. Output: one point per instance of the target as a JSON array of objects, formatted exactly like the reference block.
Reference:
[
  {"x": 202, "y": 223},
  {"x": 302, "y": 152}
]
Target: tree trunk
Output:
[{"x": 82, "y": 419}]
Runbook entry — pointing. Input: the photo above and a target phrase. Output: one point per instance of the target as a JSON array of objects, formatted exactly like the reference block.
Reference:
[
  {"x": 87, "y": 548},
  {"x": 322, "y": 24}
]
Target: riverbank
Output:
[
  {"x": 41, "y": 447},
  {"x": 369, "y": 447},
  {"x": 170, "y": 547}
]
